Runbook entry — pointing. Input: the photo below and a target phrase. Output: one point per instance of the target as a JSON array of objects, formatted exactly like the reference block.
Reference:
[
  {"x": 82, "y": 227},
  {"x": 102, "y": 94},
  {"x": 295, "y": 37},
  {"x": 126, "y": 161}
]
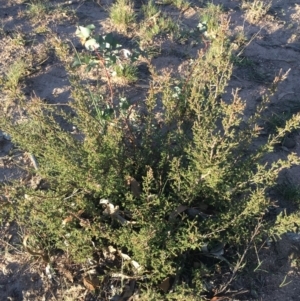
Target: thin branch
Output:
[
  {"x": 107, "y": 75},
  {"x": 241, "y": 260}
]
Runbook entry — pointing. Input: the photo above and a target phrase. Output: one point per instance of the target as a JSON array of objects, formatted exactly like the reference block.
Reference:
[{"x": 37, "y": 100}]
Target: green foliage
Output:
[
  {"x": 278, "y": 120},
  {"x": 290, "y": 192},
  {"x": 155, "y": 23},
  {"x": 37, "y": 9},
  {"x": 255, "y": 10},
  {"x": 166, "y": 182},
  {"x": 122, "y": 15},
  {"x": 104, "y": 50},
  {"x": 180, "y": 4},
  {"x": 13, "y": 77},
  {"x": 127, "y": 72},
  {"x": 149, "y": 9}
]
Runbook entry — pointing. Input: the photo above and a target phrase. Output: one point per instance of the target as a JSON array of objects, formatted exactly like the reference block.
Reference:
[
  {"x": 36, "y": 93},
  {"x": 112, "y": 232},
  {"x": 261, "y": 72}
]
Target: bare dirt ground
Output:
[{"x": 271, "y": 43}]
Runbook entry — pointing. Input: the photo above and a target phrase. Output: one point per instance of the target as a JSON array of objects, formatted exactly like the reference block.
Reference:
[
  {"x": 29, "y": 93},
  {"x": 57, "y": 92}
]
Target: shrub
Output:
[{"x": 170, "y": 182}]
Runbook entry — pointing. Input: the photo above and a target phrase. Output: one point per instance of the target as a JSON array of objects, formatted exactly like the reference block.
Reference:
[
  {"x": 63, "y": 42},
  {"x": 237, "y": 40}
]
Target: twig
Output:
[
  {"x": 240, "y": 261},
  {"x": 250, "y": 41},
  {"x": 11, "y": 246},
  {"x": 33, "y": 161}
]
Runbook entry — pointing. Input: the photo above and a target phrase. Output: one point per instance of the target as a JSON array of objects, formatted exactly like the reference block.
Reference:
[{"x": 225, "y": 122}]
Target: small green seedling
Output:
[{"x": 104, "y": 48}]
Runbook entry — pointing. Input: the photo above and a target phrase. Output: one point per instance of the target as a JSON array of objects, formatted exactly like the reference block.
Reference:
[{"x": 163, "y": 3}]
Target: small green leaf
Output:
[
  {"x": 76, "y": 63},
  {"x": 112, "y": 59},
  {"x": 83, "y": 32},
  {"x": 100, "y": 39},
  {"x": 109, "y": 38},
  {"x": 88, "y": 68},
  {"x": 107, "y": 113},
  {"x": 91, "y": 26},
  {"x": 124, "y": 104},
  {"x": 91, "y": 44},
  {"x": 86, "y": 59}
]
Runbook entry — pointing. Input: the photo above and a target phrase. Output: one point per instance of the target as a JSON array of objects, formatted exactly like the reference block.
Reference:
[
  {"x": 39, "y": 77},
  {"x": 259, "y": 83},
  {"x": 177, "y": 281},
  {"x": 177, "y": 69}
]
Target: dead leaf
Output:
[
  {"x": 135, "y": 187},
  {"x": 66, "y": 273},
  {"x": 67, "y": 220},
  {"x": 165, "y": 285},
  {"x": 125, "y": 256},
  {"x": 111, "y": 249},
  {"x": 136, "y": 265},
  {"x": 79, "y": 213},
  {"x": 91, "y": 283},
  {"x": 120, "y": 275},
  {"x": 178, "y": 210},
  {"x": 218, "y": 298},
  {"x": 33, "y": 161}
]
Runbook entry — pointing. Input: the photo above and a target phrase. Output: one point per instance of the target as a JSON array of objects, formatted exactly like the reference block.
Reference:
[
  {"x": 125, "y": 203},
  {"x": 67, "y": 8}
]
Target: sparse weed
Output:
[
  {"x": 42, "y": 29},
  {"x": 209, "y": 21},
  {"x": 126, "y": 72},
  {"x": 13, "y": 77},
  {"x": 60, "y": 47},
  {"x": 241, "y": 61},
  {"x": 240, "y": 38},
  {"x": 277, "y": 120},
  {"x": 18, "y": 39},
  {"x": 180, "y": 4},
  {"x": 255, "y": 10},
  {"x": 122, "y": 15},
  {"x": 150, "y": 9},
  {"x": 239, "y": 43},
  {"x": 155, "y": 25},
  {"x": 37, "y": 9}
]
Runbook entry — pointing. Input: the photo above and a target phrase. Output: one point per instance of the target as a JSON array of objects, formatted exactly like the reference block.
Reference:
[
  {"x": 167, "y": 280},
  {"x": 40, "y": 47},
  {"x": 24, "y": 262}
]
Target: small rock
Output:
[{"x": 289, "y": 142}]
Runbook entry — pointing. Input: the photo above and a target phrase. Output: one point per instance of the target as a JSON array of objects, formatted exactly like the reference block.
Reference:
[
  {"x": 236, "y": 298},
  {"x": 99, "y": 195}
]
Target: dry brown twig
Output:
[{"x": 241, "y": 260}]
